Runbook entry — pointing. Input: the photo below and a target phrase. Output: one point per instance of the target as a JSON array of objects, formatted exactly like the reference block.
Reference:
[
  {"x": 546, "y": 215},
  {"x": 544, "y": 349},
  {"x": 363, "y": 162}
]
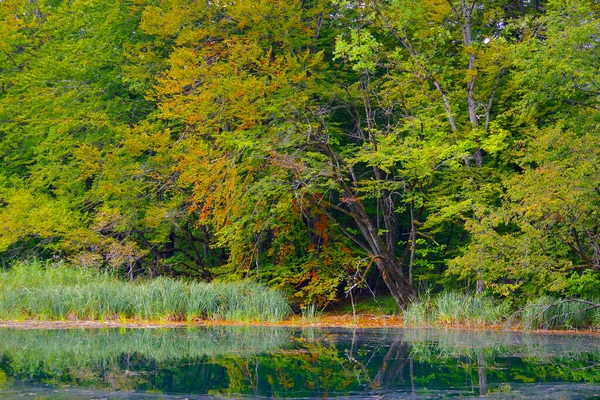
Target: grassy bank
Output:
[
  {"x": 457, "y": 309},
  {"x": 452, "y": 308},
  {"x": 555, "y": 313},
  {"x": 60, "y": 292}
]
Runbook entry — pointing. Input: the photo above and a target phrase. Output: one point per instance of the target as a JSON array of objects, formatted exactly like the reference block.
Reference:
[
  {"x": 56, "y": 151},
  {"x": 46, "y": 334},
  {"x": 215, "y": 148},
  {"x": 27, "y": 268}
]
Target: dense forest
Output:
[{"x": 319, "y": 147}]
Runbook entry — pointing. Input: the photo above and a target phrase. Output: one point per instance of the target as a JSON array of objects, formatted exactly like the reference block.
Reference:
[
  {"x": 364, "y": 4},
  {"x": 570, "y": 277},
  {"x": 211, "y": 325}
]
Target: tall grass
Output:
[
  {"x": 452, "y": 308},
  {"x": 551, "y": 313},
  {"x": 60, "y": 292},
  {"x": 311, "y": 313},
  {"x": 417, "y": 314}
]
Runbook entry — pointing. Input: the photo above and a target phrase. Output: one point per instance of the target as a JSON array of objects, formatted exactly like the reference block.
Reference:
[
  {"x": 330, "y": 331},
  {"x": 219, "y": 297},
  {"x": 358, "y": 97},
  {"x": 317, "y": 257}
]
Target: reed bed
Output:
[
  {"x": 61, "y": 292},
  {"x": 311, "y": 313},
  {"x": 452, "y": 308},
  {"x": 457, "y": 309},
  {"x": 552, "y": 313}
]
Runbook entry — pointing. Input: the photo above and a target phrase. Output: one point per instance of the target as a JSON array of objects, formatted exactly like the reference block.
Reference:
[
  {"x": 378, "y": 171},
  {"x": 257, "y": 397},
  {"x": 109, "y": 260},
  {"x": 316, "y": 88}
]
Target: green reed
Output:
[
  {"x": 311, "y": 313},
  {"x": 60, "y": 292},
  {"x": 456, "y": 309},
  {"x": 552, "y": 313}
]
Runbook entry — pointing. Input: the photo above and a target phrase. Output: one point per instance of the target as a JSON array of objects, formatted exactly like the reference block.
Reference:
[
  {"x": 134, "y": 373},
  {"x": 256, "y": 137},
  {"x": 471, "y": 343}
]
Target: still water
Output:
[{"x": 225, "y": 362}]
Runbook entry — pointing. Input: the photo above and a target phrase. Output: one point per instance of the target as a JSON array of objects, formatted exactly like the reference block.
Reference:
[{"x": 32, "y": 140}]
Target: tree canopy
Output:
[{"x": 317, "y": 146}]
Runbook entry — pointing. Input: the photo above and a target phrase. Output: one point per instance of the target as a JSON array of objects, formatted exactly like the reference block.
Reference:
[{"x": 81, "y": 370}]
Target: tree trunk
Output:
[
  {"x": 413, "y": 243},
  {"x": 388, "y": 265},
  {"x": 382, "y": 250},
  {"x": 480, "y": 288},
  {"x": 398, "y": 285}
]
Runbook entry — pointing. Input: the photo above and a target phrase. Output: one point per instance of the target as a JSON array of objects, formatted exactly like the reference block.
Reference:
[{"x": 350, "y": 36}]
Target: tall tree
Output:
[
  {"x": 64, "y": 102},
  {"x": 413, "y": 92},
  {"x": 547, "y": 225}
]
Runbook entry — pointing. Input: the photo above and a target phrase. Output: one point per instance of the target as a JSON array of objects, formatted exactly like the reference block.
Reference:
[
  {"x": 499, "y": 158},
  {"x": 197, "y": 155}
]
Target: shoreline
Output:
[{"x": 365, "y": 321}]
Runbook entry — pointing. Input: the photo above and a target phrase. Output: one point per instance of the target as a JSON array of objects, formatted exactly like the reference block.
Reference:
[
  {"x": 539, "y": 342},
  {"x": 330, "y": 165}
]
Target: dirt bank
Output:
[{"x": 325, "y": 321}]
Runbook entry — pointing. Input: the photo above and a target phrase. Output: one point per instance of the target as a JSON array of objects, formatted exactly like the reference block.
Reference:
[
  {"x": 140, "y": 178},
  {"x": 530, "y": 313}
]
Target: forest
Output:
[{"x": 323, "y": 148}]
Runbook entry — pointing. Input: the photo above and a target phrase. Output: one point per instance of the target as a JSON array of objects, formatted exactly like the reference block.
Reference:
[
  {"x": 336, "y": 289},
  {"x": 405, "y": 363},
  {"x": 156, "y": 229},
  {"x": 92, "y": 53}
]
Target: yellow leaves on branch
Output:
[
  {"x": 90, "y": 160},
  {"x": 28, "y": 214},
  {"x": 214, "y": 181},
  {"x": 162, "y": 22}
]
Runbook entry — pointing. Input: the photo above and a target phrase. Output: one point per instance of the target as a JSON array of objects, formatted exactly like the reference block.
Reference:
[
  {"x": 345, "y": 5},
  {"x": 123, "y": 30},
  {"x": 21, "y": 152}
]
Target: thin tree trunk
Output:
[
  {"x": 429, "y": 75},
  {"x": 463, "y": 16},
  {"x": 480, "y": 288},
  {"x": 413, "y": 243}
]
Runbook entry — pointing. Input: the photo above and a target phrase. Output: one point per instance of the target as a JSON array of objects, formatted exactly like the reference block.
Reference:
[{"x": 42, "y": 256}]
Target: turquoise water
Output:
[{"x": 225, "y": 362}]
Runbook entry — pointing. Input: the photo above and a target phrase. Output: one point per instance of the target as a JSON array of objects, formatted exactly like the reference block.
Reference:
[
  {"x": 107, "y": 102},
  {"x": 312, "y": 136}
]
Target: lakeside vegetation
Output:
[
  {"x": 60, "y": 292},
  {"x": 445, "y": 153},
  {"x": 457, "y": 309}
]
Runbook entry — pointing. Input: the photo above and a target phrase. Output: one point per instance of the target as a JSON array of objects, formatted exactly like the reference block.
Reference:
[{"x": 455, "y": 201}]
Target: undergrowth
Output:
[
  {"x": 453, "y": 308},
  {"x": 61, "y": 292},
  {"x": 380, "y": 305}
]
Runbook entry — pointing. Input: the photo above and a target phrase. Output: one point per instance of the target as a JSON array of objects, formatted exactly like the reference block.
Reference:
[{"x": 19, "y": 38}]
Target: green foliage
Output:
[
  {"x": 547, "y": 224},
  {"x": 361, "y": 50},
  {"x": 288, "y": 142},
  {"x": 380, "y": 305},
  {"x": 583, "y": 286}
]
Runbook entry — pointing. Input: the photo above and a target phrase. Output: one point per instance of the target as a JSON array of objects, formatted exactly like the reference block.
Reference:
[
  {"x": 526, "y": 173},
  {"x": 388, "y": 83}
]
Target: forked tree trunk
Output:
[
  {"x": 387, "y": 264},
  {"x": 380, "y": 249},
  {"x": 398, "y": 285}
]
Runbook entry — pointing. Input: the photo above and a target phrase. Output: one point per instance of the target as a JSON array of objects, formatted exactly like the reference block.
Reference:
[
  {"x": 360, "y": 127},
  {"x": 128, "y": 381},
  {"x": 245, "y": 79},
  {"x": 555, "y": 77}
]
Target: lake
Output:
[{"x": 217, "y": 362}]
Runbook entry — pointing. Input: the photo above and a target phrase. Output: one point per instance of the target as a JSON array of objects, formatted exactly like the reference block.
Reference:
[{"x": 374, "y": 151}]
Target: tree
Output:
[
  {"x": 302, "y": 143},
  {"x": 547, "y": 225},
  {"x": 412, "y": 94},
  {"x": 64, "y": 102}
]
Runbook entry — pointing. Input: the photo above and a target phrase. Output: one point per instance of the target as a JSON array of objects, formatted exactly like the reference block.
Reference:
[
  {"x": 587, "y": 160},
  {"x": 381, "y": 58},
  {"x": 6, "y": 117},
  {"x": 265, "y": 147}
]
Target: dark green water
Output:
[{"x": 293, "y": 363}]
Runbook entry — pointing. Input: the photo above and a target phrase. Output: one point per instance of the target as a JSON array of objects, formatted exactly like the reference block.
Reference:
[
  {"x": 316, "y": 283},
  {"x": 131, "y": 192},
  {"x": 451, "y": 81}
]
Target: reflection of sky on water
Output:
[{"x": 201, "y": 363}]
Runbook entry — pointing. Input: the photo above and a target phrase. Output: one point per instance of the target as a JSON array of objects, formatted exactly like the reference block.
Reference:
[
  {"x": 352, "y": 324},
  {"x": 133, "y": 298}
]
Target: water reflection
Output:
[{"x": 277, "y": 362}]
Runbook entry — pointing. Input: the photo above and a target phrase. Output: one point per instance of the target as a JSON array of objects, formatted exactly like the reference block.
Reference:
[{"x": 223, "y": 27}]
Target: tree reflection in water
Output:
[{"x": 277, "y": 362}]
